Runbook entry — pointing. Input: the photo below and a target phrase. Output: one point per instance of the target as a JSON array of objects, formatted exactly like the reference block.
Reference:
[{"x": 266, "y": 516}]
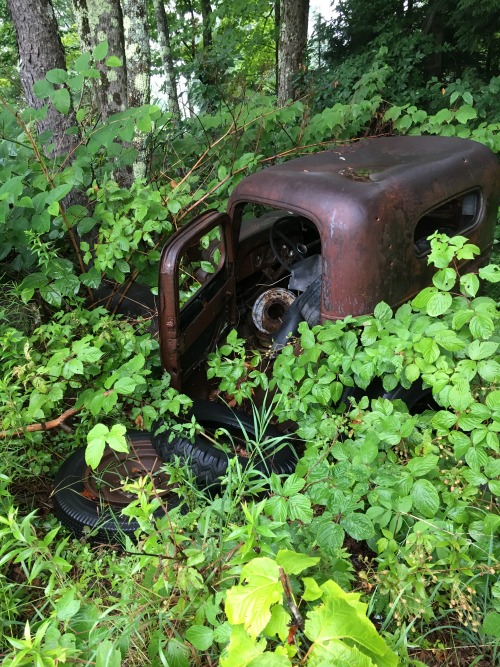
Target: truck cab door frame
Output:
[{"x": 188, "y": 333}]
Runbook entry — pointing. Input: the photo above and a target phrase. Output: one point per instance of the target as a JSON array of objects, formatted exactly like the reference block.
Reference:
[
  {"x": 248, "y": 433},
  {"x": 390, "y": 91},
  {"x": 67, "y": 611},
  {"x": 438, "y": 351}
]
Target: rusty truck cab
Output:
[{"x": 348, "y": 226}]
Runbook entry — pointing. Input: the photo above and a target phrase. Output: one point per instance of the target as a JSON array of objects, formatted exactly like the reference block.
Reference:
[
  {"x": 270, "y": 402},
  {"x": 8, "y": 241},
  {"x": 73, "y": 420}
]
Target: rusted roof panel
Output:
[
  {"x": 366, "y": 199},
  {"x": 420, "y": 168}
]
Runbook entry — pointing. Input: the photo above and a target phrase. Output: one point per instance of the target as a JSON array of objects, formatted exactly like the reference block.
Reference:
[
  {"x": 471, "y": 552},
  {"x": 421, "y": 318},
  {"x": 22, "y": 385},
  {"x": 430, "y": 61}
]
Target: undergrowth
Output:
[{"x": 383, "y": 543}]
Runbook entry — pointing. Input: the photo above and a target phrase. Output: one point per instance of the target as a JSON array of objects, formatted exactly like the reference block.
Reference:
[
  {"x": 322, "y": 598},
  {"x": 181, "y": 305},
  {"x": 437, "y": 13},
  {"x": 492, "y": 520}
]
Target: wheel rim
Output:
[{"x": 105, "y": 483}]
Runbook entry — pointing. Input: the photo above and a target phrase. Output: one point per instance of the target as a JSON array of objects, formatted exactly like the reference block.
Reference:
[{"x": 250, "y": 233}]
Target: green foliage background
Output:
[{"x": 402, "y": 508}]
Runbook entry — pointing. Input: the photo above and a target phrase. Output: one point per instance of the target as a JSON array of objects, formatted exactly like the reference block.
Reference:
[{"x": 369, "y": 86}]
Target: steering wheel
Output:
[{"x": 278, "y": 239}]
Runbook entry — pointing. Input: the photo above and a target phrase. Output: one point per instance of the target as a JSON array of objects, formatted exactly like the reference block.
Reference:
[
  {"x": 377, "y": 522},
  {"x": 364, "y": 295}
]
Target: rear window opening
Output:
[{"x": 456, "y": 216}]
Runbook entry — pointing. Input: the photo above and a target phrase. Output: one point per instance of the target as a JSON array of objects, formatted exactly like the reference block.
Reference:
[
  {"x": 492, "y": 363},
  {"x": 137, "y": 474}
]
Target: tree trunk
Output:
[
  {"x": 294, "y": 16},
  {"x": 98, "y": 21},
  {"x": 137, "y": 53},
  {"x": 166, "y": 56},
  {"x": 40, "y": 50},
  {"x": 434, "y": 26},
  {"x": 208, "y": 71},
  {"x": 206, "y": 18},
  {"x": 277, "y": 28}
]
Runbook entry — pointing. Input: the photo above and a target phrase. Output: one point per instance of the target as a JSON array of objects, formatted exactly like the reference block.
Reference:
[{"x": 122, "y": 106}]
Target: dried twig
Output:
[{"x": 58, "y": 422}]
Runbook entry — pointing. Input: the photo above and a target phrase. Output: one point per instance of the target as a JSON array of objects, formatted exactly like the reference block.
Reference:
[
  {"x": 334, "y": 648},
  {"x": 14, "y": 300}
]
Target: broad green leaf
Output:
[
  {"x": 481, "y": 350},
  {"x": 329, "y": 535},
  {"x": 307, "y": 340},
  {"x": 490, "y": 273},
  {"x": 449, "y": 340},
  {"x": 474, "y": 478},
  {"x": 465, "y": 113},
  {"x": 382, "y": 312},
  {"x": 412, "y": 372},
  {"x": 87, "y": 353},
  {"x": 293, "y": 562},
  {"x": 299, "y": 508},
  {"x": 43, "y": 89},
  {"x": 460, "y": 397},
  {"x": 460, "y": 318},
  {"x": 144, "y": 123},
  {"x": 494, "y": 487},
  {"x": 200, "y": 636},
  {"x": 72, "y": 367},
  {"x": 491, "y": 624},
  {"x": 113, "y": 61},
  {"x": 100, "y": 51},
  {"x": 469, "y": 284},
  {"x": 251, "y": 604},
  {"x": 279, "y": 625},
  {"x": 53, "y": 209},
  {"x": 86, "y": 225},
  {"x": 489, "y": 370},
  {"x": 245, "y": 651},
  {"x": 320, "y": 392},
  {"x": 392, "y": 113},
  {"x": 425, "y": 498},
  {"x": 96, "y": 441},
  {"x": 358, "y": 526},
  {"x": 481, "y": 326},
  {"x": 476, "y": 458},
  {"x": 67, "y": 606},
  {"x": 444, "y": 420},
  {"x": 493, "y": 399},
  {"x": 116, "y": 438},
  {"x": 51, "y": 295},
  {"x": 57, "y": 75},
  {"x": 421, "y": 465},
  {"x": 422, "y": 299},
  {"x": 75, "y": 83},
  {"x": 293, "y": 484},
  {"x": 445, "y": 279},
  {"x": 108, "y": 655},
  {"x": 277, "y": 507},
  {"x": 438, "y": 304},
  {"x": 82, "y": 62},
  {"x": 429, "y": 349},
  {"x": 61, "y": 100},
  {"x": 173, "y": 205},
  {"x": 59, "y": 192},
  {"x": 312, "y": 590},
  {"x": 125, "y": 385},
  {"x": 336, "y": 619}
]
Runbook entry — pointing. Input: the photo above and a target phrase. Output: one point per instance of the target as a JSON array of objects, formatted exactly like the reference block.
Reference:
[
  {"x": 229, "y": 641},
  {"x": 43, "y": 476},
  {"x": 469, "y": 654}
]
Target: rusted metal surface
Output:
[
  {"x": 270, "y": 308},
  {"x": 210, "y": 308},
  {"x": 115, "y": 468},
  {"x": 365, "y": 199},
  {"x": 372, "y": 203}
]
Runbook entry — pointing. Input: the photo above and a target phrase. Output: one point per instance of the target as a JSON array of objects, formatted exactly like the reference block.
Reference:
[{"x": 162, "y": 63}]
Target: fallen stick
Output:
[{"x": 46, "y": 426}]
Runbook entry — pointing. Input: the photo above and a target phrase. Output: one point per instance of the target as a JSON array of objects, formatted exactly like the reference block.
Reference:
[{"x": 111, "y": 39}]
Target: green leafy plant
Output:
[{"x": 263, "y": 610}]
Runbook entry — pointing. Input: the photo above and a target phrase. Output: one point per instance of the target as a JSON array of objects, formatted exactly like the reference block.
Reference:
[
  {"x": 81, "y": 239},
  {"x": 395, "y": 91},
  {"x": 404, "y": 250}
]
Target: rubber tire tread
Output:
[
  {"x": 79, "y": 513},
  {"x": 208, "y": 463},
  {"x": 310, "y": 302}
]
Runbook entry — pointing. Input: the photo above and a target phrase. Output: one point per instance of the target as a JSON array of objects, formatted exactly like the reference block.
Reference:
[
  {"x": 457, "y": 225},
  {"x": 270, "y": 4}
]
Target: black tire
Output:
[
  {"x": 209, "y": 463},
  {"x": 80, "y": 507},
  {"x": 310, "y": 302}
]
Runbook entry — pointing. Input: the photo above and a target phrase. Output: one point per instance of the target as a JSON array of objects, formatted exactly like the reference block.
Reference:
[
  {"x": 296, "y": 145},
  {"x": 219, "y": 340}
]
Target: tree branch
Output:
[{"x": 52, "y": 423}]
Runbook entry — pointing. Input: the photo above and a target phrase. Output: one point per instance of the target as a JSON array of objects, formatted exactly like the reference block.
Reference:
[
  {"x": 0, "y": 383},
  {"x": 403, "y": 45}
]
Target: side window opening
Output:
[
  {"x": 202, "y": 260},
  {"x": 456, "y": 216}
]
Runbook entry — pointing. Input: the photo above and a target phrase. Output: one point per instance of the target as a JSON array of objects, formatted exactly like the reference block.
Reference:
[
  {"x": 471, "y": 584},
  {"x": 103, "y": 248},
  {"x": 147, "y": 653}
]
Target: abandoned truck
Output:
[{"x": 317, "y": 238}]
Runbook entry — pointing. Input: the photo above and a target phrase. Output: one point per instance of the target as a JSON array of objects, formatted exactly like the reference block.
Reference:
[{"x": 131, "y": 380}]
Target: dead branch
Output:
[{"x": 46, "y": 426}]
